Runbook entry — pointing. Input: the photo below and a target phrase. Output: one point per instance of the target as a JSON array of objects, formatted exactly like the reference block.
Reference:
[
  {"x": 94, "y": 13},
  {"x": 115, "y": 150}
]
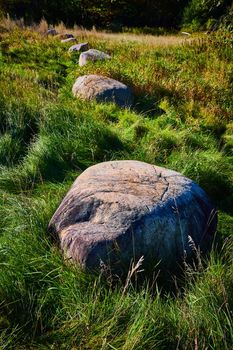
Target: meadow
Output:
[{"x": 182, "y": 119}]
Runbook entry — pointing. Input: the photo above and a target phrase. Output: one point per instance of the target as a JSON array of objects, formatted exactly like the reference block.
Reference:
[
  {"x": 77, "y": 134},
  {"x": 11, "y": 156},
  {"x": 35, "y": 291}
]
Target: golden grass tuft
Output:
[
  {"x": 93, "y": 34},
  {"x": 43, "y": 26}
]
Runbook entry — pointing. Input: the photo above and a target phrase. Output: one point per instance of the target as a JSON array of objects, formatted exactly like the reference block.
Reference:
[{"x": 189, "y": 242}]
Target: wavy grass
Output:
[{"x": 182, "y": 119}]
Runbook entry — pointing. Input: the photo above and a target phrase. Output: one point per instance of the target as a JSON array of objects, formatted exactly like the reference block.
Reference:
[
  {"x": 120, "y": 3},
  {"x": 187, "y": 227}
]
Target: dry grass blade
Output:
[{"x": 133, "y": 271}]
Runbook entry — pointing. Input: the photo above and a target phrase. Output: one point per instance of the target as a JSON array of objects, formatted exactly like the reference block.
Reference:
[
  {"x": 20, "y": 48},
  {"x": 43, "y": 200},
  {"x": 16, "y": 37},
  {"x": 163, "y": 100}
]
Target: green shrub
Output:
[{"x": 203, "y": 12}]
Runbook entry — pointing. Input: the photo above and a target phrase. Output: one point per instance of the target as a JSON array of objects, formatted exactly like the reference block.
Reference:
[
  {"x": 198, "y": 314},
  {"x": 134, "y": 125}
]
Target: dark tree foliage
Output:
[
  {"x": 201, "y": 11},
  {"x": 110, "y": 13},
  {"x": 101, "y": 13},
  {"x": 69, "y": 11}
]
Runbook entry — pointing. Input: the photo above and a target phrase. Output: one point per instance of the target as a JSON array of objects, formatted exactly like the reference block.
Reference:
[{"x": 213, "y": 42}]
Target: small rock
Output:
[
  {"x": 78, "y": 47},
  {"x": 102, "y": 89},
  {"x": 119, "y": 211},
  {"x": 51, "y": 31},
  {"x": 64, "y": 36},
  {"x": 68, "y": 35},
  {"x": 92, "y": 56},
  {"x": 186, "y": 33},
  {"x": 68, "y": 40}
]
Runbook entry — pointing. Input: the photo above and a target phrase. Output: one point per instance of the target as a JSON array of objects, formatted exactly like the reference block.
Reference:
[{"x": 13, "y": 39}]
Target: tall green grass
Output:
[{"x": 182, "y": 119}]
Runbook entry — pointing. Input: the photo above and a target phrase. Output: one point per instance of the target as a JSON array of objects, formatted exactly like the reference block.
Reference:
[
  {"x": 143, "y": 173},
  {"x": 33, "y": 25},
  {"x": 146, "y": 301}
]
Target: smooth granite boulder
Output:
[
  {"x": 102, "y": 89},
  {"x": 119, "y": 211},
  {"x": 92, "y": 55},
  {"x": 78, "y": 47}
]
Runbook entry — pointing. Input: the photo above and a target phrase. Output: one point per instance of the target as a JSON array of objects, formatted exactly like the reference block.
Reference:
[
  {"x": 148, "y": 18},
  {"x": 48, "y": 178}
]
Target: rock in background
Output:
[
  {"x": 78, "y": 47},
  {"x": 51, "y": 31},
  {"x": 102, "y": 89},
  {"x": 92, "y": 55},
  {"x": 68, "y": 40}
]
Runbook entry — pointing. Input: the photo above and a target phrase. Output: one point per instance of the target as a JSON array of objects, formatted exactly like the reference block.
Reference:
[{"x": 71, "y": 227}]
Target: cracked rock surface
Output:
[
  {"x": 102, "y": 89},
  {"x": 118, "y": 211}
]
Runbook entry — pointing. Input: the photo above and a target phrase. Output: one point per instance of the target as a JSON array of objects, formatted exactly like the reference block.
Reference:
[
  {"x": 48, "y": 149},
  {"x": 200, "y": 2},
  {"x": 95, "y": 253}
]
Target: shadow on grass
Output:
[
  {"x": 52, "y": 159},
  {"x": 147, "y": 103},
  {"x": 220, "y": 189}
]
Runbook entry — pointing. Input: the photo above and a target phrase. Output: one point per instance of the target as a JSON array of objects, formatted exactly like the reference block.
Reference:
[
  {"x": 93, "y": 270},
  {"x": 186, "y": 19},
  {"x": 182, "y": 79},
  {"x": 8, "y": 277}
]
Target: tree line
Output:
[{"x": 112, "y": 14}]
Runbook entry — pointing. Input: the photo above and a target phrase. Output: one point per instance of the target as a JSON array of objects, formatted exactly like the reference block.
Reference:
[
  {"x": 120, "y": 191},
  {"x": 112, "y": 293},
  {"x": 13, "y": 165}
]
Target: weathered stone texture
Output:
[
  {"x": 102, "y": 89},
  {"x": 121, "y": 210}
]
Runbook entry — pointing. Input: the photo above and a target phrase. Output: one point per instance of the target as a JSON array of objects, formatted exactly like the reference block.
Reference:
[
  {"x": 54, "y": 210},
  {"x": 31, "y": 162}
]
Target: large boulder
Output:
[
  {"x": 78, "y": 47},
  {"x": 102, "y": 89},
  {"x": 119, "y": 211},
  {"x": 92, "y": 55}
]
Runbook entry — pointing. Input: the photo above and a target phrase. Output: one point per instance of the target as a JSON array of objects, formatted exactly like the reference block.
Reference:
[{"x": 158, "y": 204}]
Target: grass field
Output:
[{"x": 182, "y": 119}]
